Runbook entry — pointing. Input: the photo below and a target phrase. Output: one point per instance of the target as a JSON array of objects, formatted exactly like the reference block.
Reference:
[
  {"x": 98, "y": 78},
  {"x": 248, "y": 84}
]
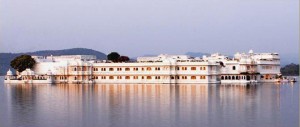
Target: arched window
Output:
[
  {"x": 233, "y": 78},
  {"x": 193, "y": 68},
  {"x": 237, "y": 77},
  {"x": 229, "y": 77},
  {"x": 193, "y": 77},
  {"x": 226, "y": 78},
  {"x": 149, "y": 77},
  {"x": 233, "y": 67},
  {"x": 148, "y": 68},
  {"x": 222, "y": 77}
]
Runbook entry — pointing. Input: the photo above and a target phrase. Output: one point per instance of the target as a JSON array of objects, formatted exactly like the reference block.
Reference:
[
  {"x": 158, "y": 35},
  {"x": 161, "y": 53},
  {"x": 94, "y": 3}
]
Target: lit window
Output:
[
  {"x": 204, "y": 77},
  {"x": 193, "y": 77},
  {"x": 148, "y": 68},
  {"x": 193, "y": 68}
]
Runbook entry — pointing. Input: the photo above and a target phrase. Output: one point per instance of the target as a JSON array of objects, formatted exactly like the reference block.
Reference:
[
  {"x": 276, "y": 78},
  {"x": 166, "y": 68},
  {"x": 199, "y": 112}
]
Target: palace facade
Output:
[{"x": 162, "y": 69}]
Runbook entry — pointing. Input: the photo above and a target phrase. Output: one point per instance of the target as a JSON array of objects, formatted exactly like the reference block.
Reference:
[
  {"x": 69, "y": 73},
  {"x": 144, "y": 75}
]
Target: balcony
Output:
[{"x": 248, "y": 71}]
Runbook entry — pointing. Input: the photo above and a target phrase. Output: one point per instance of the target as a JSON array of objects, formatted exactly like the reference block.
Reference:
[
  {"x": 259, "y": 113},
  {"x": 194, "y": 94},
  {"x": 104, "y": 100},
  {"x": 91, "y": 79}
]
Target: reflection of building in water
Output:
[
  {"x": 146, "y": 103},
  {"x": 166, "y": 69}
]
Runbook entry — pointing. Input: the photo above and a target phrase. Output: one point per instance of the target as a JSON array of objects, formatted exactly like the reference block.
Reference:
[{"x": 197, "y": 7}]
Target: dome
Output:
[
  {"x": 251, "y": 51},
  {"x": 9, "y": 72},
  {"x": 27, "y": 72}
]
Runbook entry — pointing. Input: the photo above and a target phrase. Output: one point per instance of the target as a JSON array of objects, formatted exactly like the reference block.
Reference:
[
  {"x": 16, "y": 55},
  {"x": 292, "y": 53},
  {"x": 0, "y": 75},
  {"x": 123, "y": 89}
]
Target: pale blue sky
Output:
[{"x": 138, "y": 27}]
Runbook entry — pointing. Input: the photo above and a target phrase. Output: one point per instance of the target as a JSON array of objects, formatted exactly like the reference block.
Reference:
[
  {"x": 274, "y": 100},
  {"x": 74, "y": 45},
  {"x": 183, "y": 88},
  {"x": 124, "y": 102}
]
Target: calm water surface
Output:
[{"x": 262, "y": 105}]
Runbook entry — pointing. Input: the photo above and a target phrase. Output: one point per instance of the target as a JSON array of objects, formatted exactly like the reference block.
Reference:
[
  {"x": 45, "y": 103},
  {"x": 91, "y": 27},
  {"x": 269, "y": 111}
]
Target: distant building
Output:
[{"x": 163, "y": 69}]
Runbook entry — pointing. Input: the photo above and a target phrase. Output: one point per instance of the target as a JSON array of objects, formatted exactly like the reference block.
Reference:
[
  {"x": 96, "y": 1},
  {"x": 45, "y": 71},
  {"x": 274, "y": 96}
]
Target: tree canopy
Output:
[
  {"x": 113, "y": 56},
  {"x": 123, "y": 59},
  {"x": 22, "y": 62}
]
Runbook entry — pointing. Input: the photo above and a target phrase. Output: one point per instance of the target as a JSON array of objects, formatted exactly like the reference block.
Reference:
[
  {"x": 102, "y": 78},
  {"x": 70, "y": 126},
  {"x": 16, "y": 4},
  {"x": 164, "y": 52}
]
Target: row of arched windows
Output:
[
  {"x": 147, "y": 77},
  {"x": 142, "y": 68},
  {"x": 233, "y": 77}
]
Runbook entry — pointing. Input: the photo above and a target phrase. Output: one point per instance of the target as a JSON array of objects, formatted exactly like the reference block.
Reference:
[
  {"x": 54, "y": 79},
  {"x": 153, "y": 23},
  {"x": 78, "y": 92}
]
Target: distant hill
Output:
[
  {"x": 5, "y": 58},
  {"x": 290, "y": 70}
]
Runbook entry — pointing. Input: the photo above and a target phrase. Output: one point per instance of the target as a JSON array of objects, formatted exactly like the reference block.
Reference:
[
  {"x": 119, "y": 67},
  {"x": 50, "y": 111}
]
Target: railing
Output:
[{"x": 252, "y": 70}]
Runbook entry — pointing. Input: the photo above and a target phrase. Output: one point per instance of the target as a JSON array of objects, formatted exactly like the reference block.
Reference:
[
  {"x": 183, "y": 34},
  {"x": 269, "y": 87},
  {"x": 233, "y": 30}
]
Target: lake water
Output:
[{"x": 206, "y": 105}]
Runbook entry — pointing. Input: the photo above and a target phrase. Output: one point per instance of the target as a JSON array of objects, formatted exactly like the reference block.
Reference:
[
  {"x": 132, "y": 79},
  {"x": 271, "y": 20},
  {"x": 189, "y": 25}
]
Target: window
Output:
[
  {"x": 127, "y": 69},
  {"x": 135, "y": 77},
  {"x": 75, "y": 69},
  {"x": 103, "y": 69},
  {"x": 157, "y": 68},
  {"x": 148, "y": 68},
  {"x": 75, "y": 78},
  {"x": 127, "y": 77},
  {"x": 233, "y": 67},
  {"x": 183, "y": 77},
  {"x": 119, "y": 77},
  {"x": 84, "y": 68},
  {"x": 95, "y": 69},
  {"x": 111, "y": 77},
  {"x": 111, "y": 69},
  {"x": 157, "y": 77},
  {"x": 193, "y": 68},
  {"x": 142, "y": 77},
  {"x": 177, "y": 68},
  {"x": 202, "y": 77},
  {"x": 149, "y": 77},
  {"x": 119, "y": 69},
  {"x": 193, "y": 77},
  {"x": 183, "y": 68},
  {"x": 177, "y": 77}
]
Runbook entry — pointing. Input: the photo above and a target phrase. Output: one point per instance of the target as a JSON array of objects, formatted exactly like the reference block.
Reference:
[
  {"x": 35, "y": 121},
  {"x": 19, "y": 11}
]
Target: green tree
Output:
[
  {"x": 113, "y": 56},
  {"x": 123, "y": 59},
  {"x": 22, "y": 62}
]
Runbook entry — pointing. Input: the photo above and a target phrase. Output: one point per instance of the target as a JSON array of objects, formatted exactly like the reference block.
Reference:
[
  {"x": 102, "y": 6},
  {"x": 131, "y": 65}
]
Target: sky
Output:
[{"x": 139, "y": 27}]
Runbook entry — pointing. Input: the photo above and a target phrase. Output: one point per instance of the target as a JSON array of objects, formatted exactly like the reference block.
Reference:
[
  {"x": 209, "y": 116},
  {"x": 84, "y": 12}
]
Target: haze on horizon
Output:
[{"x": 139, "y": 27}]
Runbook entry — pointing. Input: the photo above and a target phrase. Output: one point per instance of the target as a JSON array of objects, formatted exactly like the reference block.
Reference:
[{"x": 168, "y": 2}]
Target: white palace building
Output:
[{"x": 162, "y": 69}]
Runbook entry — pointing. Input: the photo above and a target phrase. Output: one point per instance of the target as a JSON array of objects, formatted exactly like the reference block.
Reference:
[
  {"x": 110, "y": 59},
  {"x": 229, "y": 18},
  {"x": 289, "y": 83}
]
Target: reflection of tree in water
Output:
[{"x": 23, "y": 99}]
